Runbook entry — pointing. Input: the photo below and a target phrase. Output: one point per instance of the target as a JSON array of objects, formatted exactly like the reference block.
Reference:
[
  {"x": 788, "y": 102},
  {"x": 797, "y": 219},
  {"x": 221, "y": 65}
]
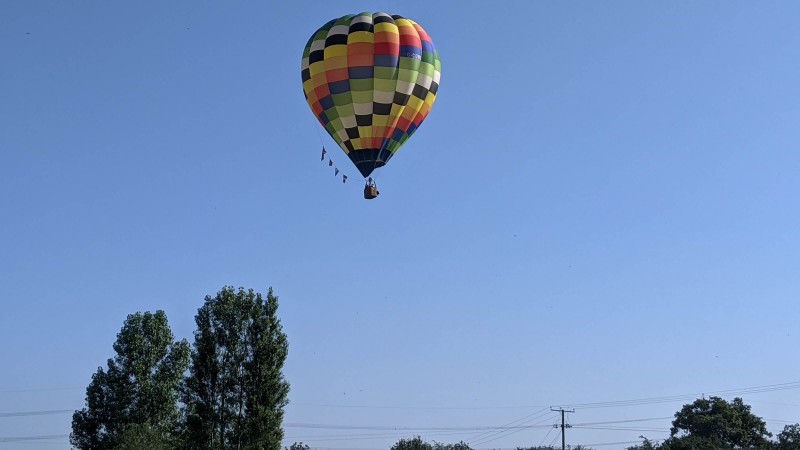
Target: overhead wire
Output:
[
  {"x": 622, "y": 421},
  {"x": 505, "y": 433},
  {"x": 548, "y": 434},
  {"x": 491, "y": 433},
  {"x": 487, "y": 433},
  {"x": 397, "y": 434},
  {"x": 601, "y": 444},
  {"x": 782, "y": 421},
  {"x": 458, "y": 408},
  {"x": 69, "y": 388},
  {"x": 685, "y": 397},
  {"x": 405, "y": 427},
  {"x": 553, "y": 442},
  {"x": 479, "y": 437},
  {"x": 35, "y": 413},
  {"x": 543, "y": 424},
  {"x": 624, "y": 428},
  {"x": 33, "y": 438},
  {"x": 603, "y": 404}
]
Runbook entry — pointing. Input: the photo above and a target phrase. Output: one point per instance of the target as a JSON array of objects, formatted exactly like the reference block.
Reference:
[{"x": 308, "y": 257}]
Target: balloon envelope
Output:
[{"x": 370, "y": 79}]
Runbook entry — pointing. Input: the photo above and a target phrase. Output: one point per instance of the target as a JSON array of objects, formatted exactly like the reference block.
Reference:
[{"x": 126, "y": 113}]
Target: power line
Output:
[
  {"x": 407, "y": 428},
  {"x": 35, "y": 413},
  {"x": 489, "y": 433},
  {"x": 604, "y": 404},
  {"x": 479, "y": 437},
  {"x": 457, "y": 408},
  {"x": 44, "y": 437},
  {"x": 553, "y": 442},
  {"x": 781, "y": 421},
  {"x": 685, "y": 397},
  {"x": 611, "y": 443},
  {"x": 366, "y": 436},
  {"x": 624, "y": 428},
  {"x": 548, "y": 434},
  {"x": 622, "y": 421},
  {"x": 46, "y": 389},
  {"x": 506, "y": 433},
  {"x": 487, "y": 429}
]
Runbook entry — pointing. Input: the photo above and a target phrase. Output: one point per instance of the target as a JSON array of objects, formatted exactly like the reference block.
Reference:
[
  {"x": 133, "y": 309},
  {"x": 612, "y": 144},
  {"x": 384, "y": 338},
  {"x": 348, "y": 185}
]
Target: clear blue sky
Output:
[{"x": 602, "y": 206}]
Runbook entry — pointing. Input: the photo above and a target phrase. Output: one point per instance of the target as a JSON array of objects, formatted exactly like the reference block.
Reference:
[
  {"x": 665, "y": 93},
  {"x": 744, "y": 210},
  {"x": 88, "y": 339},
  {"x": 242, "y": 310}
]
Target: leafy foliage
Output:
[
  {"x": 646, "y": 444},
  {"x": 719, "y": 423},
  {"x": 144, "y": 436},
  {"x": 140, "y": 385},
  {"x": 298, "y": 446},
  {"x": 235, "y": 392},
  {"x": 460, "y": 445},
  {"x": 415, "y": 443},
  {"x": 690, "y": 442},
  {"x": 789, "y": 438},
  {"x": 714, "y": 423}
]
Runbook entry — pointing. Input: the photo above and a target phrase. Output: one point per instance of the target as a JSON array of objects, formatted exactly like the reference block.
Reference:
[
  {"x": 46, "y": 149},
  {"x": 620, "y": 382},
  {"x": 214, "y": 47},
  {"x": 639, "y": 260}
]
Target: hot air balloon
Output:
[{"x": 370, "y": 80}]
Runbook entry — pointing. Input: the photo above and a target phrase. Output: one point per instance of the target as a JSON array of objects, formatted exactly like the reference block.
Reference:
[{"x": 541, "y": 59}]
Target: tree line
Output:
[
  {"x": 225, "y": 391},
  {"x": 714, "y": 423},
  {"x": 705, "y": 424}
]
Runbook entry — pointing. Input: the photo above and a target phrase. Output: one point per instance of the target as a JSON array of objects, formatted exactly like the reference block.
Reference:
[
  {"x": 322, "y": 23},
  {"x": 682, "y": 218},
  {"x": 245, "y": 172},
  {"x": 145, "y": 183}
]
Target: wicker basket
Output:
[{"x": 370, "y": 192}]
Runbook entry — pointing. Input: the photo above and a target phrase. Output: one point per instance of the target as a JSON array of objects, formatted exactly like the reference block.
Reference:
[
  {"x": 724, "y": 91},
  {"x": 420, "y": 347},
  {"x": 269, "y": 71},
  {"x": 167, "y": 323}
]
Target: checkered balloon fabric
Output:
[{"x": 370, "y": 80}]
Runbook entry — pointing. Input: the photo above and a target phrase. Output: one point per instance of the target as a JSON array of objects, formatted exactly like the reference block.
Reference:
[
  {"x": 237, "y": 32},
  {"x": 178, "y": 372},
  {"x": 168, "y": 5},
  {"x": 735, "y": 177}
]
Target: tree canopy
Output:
[
  {"x": 139, "y": 386},
  {"x": 789, "y": 438},
  {"x": 714, "y": 423},
  {"x": 227, "y": 391},
  {"x": 460, "y": 445},
  {"x": 235, "y": 392}
]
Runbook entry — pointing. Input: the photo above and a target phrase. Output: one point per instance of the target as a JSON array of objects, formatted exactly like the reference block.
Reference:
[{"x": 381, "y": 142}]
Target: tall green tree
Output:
[
  {"x": 235, "y": 392},
  {"x": 718, "y": 424},
  {"x": 140, "y": 386}
]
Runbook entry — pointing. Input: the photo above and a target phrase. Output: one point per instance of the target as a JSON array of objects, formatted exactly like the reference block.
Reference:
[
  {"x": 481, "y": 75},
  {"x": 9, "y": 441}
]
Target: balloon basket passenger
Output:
[{"x": 370, "y": 189}]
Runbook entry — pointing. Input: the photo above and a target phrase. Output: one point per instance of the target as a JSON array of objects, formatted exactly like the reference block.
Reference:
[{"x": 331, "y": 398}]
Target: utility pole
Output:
[{"x": 563, "y": 425}]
